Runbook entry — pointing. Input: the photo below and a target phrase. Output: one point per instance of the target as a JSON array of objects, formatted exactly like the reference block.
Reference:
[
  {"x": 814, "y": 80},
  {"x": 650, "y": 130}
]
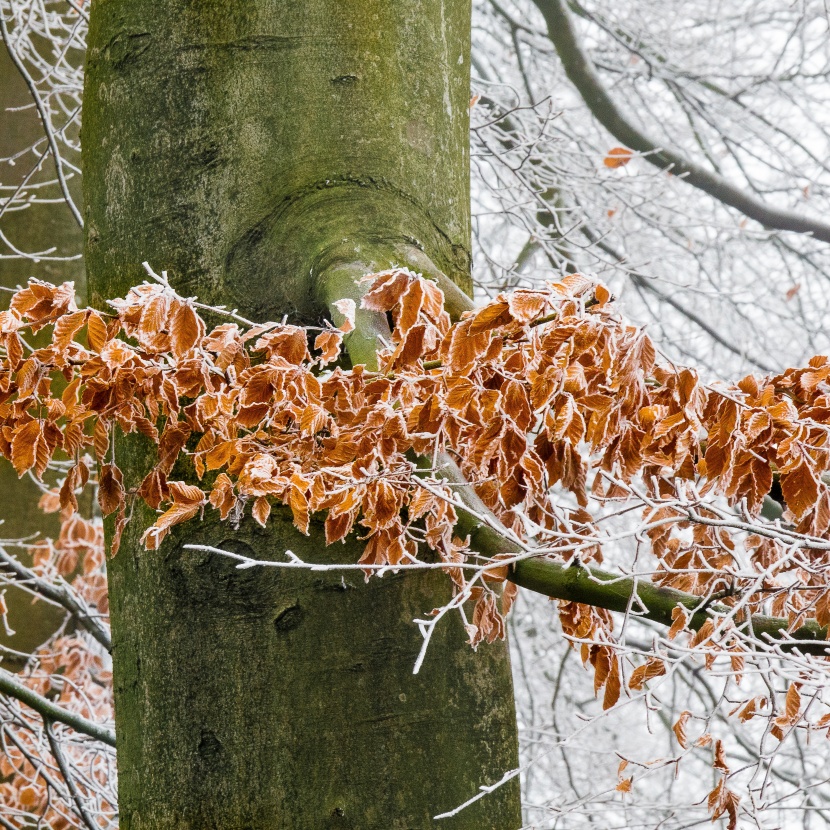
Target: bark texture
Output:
[{"x": 250, "y": 149}]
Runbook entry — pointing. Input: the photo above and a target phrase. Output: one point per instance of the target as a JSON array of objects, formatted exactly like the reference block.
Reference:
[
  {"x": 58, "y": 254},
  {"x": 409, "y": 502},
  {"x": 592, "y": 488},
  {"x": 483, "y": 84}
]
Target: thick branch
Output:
[
  {"x": 11, "y": 686},
  {"x": 582, "y": 74},
  {"x": 602, "y": 589},
  {"x": 574, "y": 583}
]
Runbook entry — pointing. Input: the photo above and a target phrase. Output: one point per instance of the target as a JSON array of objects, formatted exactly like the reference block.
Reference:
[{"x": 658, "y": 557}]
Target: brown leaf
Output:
[
  {"x": 154, "y": 488},
  {"x": 601, "y": 294},
  {"x": 624, "y": 786},
  {"x": 612, "y": 685},
  {"x": 120, "y": 524},
  {"x": 77, "y": 477},
  {"x": 703, "y": 633},
  {"x": 288, "y": 342},
  {"x": 347, "y": 308},
  {"x": 186, "y": 494},
  {"x": 329, "y": 343},
  {"x": 186, "y": 329},
  {"x": 111, "y": 492},
  {"x": 25, "y": 445},
  {"x": 220, "y": 455},
  {"x": 298, "y": 502},
  {"x": 490, "y": 317},
  {"x": 178, "y": 513},
  {"x": 720, "y": 757},
  {"x": 96, "y": 331},
  {"x": 66, "y": 327},
  {"x": 617, "y": 157},
  {"x": 385, "y": 291},
  {"x": 101, "y": 439},
  {"x": 680, "y": 618},
  {"x": 800, "y": 488},
  {"x": 653, "y": 667},
  {"x": 526, "y": 306},
  {"x": 338, "y": 526},
  {"x": 171, "y": 444},
  {"x": 792, "y": 708},
  {"x": 261, "y": 510},
  {"x": 747, "y": 710},
  {"x": 222, "y": 496},
  {"x": 679, "y": 729},
  {"x": 464, "y": 348}
]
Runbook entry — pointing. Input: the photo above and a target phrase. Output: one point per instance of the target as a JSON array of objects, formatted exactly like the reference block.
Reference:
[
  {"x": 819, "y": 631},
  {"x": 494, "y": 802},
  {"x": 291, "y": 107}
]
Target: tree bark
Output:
[{"x": 253, "y": 150}]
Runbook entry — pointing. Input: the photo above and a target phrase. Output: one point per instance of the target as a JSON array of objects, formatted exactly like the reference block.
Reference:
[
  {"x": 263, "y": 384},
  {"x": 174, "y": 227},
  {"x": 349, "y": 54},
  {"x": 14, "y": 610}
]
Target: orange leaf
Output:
[
  {"x": 177, "y": 514},
  {"x": 490, "y": 317},
  {"x": 679, "y": 729},
  {"x": 800, "y": 488},
  {"x": 654, "y": 667},
  {"x": 602, "y": 294},
  {"x": 24, "y": 446},
  {"x": 110, "y": 489},
  {"x": 680, "y": 618},
  {"x": 186, "y": 329},
  {"x": 720, "y": 757},
  {"x": 328, "y": 342},
  {"x": 96, "y": 331},
  {"x": 612, "y": 685},
  {"x": 261, "y": 511},
  {"x": 186, "y": 494},
  {"x": 617, "y": 157},
  {"x": 625, "y": 785},
  {"x": 222, "y": 496}
]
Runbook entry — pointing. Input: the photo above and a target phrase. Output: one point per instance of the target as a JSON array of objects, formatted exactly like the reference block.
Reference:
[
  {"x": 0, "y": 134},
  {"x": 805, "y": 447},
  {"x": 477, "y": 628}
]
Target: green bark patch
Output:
[{"x": 249, "y": 149}]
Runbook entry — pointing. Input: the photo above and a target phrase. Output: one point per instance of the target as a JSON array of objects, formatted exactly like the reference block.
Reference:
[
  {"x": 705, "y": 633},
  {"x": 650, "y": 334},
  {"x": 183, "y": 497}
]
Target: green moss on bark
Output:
[{"x": 248, "y": 149}]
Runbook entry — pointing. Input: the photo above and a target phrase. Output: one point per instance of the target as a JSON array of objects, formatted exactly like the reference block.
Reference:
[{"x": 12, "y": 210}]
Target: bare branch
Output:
[
  {"x": 581, "y": 72},
  {"x": 57, "y": 752},
  {"x": 44, "y": 117},
  {"x": 61, "y": 596}
]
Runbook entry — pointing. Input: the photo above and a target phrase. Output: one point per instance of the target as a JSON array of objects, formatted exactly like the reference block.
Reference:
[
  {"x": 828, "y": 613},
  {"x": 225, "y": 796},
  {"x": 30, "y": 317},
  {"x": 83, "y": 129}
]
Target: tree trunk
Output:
[
  {"x": 29, "y": 230},
  {"x": 254, "y": 149}
]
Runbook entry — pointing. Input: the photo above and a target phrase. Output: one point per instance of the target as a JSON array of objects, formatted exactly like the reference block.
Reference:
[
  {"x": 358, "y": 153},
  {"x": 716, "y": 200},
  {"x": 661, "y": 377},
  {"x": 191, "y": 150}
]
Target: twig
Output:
[{"x": 57, "y": 752}]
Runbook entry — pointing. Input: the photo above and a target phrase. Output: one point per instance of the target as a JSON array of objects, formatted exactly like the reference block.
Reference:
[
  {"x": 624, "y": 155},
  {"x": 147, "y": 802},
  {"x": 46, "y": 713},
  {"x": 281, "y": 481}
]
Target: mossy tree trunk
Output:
[
  {"x": 34, "y": 228},
  {"x": 253, "y": 150}
]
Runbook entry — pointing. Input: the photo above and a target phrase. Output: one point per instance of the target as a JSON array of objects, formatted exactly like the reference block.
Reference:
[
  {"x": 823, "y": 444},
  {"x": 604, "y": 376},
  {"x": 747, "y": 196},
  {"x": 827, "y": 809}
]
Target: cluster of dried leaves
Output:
[
  {"x": 548, "y": 402},
  {"x": 74, "y": 674}
]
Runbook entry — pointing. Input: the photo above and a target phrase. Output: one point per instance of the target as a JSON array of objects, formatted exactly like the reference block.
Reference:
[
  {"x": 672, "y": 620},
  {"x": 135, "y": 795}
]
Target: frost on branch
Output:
[
  {"x": 535, "y": 394},
  {"x": 51, "y": 775},
  {"x": 557, "y": 412}
]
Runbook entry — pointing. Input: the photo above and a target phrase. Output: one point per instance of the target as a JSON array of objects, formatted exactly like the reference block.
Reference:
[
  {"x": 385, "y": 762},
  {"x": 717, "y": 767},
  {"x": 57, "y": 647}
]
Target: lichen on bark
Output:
[{"x": 250, "y": 149}]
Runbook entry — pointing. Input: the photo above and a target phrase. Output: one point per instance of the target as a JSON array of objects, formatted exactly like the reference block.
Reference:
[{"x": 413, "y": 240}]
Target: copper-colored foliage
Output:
[
  {"x": 535, "y": 391},
  {"x": 537, "y": 395}
]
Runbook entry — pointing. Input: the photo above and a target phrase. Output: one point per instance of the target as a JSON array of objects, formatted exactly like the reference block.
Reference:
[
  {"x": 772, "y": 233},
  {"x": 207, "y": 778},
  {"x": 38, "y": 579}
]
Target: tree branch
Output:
[
  {"x": 574, "y": 583},
  {"x": 60, "y": 596},
  {"x": 581, "y": 72},
  {"x": 57, "y": 752},
  {"x": 11, "y": 686},
  {"x": 643, "y": 282}
]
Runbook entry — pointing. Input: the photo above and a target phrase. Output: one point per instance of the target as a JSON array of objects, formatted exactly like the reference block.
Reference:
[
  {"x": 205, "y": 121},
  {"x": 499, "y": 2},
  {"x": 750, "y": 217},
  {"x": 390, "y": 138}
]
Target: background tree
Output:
[
  {"x": 542, "y": 194},
  {"x": 39, "y": 236}
]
